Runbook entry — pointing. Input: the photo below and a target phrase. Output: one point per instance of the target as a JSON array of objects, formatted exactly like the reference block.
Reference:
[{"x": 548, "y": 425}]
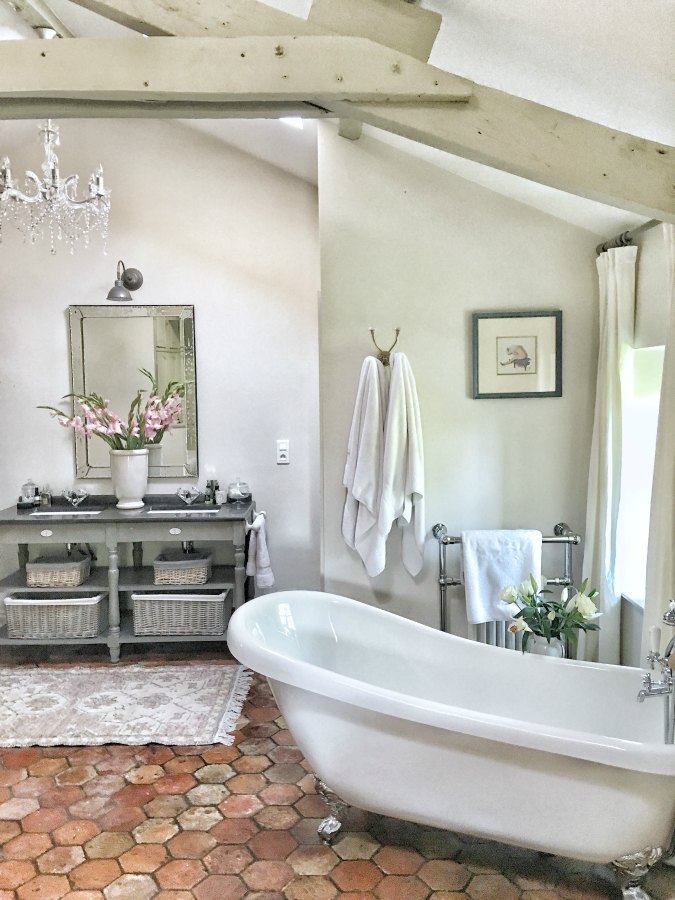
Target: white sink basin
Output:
[{"x": 65, "y": 512}]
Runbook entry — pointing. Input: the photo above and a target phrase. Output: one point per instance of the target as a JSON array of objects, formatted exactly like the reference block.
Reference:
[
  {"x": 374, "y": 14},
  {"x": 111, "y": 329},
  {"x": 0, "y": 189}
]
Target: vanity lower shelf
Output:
[{"x": 130, "y": 580}]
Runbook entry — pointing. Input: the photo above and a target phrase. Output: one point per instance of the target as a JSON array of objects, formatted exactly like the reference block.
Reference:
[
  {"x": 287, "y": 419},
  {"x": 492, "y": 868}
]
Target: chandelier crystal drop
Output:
[{"x": 49, "y": 206}]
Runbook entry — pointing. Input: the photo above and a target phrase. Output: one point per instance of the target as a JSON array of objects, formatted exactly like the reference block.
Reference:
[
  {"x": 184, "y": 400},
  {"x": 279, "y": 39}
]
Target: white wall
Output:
[
  {"x": 406, "y": 245},
  {"x": 207, "y": 225}
]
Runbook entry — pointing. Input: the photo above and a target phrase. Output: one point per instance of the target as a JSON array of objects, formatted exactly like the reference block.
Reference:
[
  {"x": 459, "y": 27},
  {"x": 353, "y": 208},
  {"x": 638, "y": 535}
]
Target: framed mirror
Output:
[{"x": 109, "y": 345}]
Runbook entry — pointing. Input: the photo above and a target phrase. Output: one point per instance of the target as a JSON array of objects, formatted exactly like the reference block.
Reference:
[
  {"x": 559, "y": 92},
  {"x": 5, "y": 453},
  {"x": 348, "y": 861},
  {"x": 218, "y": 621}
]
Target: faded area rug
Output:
[{"x": 134, "y": 704}]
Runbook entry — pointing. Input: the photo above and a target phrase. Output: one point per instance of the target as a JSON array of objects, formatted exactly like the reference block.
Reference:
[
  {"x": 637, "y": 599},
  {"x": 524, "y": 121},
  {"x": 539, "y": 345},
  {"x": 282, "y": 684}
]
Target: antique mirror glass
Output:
[{"x": 108, "y": 346}]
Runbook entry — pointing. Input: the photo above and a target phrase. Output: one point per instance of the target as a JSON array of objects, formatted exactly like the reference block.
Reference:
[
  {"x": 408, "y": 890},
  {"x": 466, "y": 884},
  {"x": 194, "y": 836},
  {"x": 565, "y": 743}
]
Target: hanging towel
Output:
[
  {"x": 403, "y": 466},
  {"x": 258, "y": 563},
  {"x": 363, "y": 468},
  {"x": 492, "y": 560}
]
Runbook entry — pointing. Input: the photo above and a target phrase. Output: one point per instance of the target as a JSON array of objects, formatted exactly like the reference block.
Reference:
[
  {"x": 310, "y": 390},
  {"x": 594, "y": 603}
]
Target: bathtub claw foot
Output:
[
  {"x": 632, "y": 869},
  {"x": 331, "y": 825},
  {"x": 329, "y": 828}
]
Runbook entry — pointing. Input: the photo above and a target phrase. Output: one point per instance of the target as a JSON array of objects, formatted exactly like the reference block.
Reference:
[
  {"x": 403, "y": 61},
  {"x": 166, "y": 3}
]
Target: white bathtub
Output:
[{"x": 400, "y": 719}]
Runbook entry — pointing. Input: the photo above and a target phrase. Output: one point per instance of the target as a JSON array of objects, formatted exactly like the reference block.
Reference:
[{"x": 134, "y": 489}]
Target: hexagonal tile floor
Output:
[{"x": 223, "y": 823}]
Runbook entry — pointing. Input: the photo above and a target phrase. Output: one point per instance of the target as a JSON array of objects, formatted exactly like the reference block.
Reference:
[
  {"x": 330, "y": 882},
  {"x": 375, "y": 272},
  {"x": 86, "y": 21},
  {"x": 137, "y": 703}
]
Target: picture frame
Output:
[{"x": 517, "y": 354}]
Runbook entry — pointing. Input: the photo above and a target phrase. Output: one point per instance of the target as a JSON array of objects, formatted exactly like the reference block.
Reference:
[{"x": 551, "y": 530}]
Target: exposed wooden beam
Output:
[
  {"x": 405, "y": 27},
  {"x": 409, "y": 29},
  {"x": 217, "y": 18},
  {"x": 50, "y": 108},
  {"x": 540, "y": 144},
  {"x": 253, "y": 69},
  {"x": 39, "y": 15}
]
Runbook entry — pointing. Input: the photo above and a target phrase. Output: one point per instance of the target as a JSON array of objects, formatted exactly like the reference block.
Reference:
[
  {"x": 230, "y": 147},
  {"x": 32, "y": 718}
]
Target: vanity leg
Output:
[
  {"x": 113, "y": 602},
  {"x": 23, "y": 555},
  {"x": 137, "y": 553},
  {"x": 239, "y": 541}
]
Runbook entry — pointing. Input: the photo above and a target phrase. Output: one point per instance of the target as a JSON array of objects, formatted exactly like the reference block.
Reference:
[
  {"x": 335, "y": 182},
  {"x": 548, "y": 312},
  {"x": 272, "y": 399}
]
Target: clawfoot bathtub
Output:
[{"x": 554, "y": 755}]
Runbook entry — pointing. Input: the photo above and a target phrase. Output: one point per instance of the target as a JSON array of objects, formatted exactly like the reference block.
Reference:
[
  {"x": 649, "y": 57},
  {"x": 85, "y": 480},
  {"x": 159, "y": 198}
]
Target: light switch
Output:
[{"x": 283, "y": 452}]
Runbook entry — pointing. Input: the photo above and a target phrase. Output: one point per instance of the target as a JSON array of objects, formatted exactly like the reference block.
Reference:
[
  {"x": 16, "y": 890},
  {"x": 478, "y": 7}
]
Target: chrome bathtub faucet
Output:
[{"x": 663, "y": 687}]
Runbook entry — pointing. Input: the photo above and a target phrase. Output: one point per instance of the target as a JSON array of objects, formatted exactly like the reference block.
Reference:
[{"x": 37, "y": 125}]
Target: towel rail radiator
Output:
[{"x": 496, "y": 632}]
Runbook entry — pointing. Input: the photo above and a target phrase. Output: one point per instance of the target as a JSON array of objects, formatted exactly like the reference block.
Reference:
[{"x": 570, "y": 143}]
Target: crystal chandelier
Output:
[{"x": 50, "y": 206}]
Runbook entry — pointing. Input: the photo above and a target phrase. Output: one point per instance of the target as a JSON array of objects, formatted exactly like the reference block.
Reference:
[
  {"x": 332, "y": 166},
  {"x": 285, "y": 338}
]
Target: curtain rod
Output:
[{"x": 626, "y": 237}]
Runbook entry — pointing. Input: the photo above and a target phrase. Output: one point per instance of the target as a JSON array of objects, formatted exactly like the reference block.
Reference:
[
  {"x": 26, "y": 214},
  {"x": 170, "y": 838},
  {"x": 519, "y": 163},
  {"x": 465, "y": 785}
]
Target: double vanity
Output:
[{"x": 100, "y": 524}]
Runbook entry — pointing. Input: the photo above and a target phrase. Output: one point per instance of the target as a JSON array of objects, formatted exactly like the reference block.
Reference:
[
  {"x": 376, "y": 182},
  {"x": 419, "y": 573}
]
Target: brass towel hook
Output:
[{"x": 383, "y": 355}]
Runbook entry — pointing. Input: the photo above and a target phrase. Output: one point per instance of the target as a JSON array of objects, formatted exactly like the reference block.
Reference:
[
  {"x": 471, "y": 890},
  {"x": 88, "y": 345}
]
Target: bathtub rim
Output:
[{"x": 649, "y": 758}]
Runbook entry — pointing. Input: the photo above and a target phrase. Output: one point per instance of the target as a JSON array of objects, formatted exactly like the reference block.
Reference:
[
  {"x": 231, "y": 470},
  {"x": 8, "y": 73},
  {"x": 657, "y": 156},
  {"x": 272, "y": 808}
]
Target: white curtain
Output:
[
  {"x": 660, "y": 553},
  {"x": 616, "y": 274}
]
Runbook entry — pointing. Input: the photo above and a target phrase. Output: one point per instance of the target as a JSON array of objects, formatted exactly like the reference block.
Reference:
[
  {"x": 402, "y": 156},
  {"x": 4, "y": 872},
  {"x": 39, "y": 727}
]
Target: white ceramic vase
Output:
[
  {"x": 129, "y": 470},
  {"x": 541, "y": 646}
]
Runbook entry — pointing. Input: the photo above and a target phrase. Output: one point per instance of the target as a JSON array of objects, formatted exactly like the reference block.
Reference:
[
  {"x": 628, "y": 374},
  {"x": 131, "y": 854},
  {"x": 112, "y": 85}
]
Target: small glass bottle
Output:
[{"x": 28, "y": 491}]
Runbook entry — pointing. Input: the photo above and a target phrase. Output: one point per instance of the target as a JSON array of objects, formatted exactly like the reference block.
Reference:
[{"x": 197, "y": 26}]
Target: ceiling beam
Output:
[
  {"x": 253, "y": 69},
  {"x": 403, "y": 26},
  {"x": 216, "y": 18},
  {"x": 38, "y": 14},
  {"x": 540, "y": 144},
  {"x": 63, "y": 108}
]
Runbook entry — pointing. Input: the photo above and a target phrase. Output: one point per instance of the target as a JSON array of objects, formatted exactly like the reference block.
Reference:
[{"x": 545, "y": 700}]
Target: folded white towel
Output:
[
  {"x": 403, "y": 465},
  {"x": 492, "y": 560},
  {"x": 363, "y": 468},
  {"x": 258, "y": 563}
]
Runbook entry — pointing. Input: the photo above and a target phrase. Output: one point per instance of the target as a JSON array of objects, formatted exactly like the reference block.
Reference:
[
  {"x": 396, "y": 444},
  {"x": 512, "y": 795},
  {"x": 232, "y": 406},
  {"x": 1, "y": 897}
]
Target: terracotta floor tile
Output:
[
  {"x": 143, "y": 858},
  {"x": 15, "y": 872},
  {"x": 272, "y": 844},
  {"x": 220, "y": 887},
  {"x": 27, "y": 846},
  {"x": 60, "y": 860},
  {"x": 356, "y": 875},
  {"x": 44, "y": 820},
  {"x": 401, "y": 887},
  {"x": 44, "y": 887},
  {"x": 95, "y": 873},
  {"x": 75, "y": 832},
  {"x": 180, "y": 874},
  {"x": 191, "y": 845},
  {"x": 228, "y": 859},
  {"x": 268, "y": 875},
  {"x": 239, "y": 822}
]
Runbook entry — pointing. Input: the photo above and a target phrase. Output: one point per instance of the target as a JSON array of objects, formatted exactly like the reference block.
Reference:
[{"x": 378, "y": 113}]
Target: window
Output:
[{"x": 641, "y": 387}]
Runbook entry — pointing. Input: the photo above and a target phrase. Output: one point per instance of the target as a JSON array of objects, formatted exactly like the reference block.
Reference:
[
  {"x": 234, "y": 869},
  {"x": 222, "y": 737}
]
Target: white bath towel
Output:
[
  {"x": 363, "y": 468},
  {"x": 403, "y": 465},
  {"x": 258, "y": 563},
  {"x": 491, "y": 561}
]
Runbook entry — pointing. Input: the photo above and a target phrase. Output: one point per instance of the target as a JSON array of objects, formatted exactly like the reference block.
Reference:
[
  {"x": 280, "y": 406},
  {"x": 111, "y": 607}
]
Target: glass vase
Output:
[{"x": 540, "y": 646}]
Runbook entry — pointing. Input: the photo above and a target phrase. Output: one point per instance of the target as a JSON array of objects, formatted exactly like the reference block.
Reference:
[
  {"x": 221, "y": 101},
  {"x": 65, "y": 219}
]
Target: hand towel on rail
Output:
[
  {"x": 258, "y": 563},
  {"x": 403, "y": 465},
  {"x": 492, "y": 560},
  {"x": 363, "y": 468}
]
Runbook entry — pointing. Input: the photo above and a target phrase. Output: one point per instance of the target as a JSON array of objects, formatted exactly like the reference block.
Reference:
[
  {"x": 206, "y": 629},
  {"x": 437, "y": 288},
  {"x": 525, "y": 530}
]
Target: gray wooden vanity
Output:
[{"x": 99, "y": 523}]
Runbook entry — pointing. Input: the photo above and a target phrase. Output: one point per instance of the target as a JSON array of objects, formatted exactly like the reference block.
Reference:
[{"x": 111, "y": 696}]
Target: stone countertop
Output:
[{"x": 175, "y": 510}]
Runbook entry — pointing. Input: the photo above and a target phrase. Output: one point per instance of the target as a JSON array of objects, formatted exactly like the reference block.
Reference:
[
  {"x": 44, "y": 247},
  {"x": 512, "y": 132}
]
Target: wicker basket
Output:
[
  {"x": 58, "y": 571},
  {"x": 173, "y": 567},
  {"x": 56, "y": 617},
  {"x": 179, "y": 613}
]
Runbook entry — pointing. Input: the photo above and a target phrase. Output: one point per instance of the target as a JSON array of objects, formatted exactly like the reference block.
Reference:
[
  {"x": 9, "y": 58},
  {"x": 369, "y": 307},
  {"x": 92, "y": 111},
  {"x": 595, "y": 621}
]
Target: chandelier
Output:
[{"x": 49, "y": 206}]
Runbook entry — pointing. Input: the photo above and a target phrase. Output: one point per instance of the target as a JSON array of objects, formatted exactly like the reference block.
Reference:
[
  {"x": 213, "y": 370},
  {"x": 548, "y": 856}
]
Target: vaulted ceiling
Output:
[{"x": 605, "y": 61}]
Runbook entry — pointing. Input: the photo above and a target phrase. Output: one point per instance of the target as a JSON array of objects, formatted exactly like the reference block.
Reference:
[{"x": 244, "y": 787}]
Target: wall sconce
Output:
[{"x": 127, "y": 280}]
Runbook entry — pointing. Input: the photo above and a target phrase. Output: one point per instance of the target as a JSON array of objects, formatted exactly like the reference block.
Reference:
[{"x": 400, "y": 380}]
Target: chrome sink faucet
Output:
[{"x": 664, "y": 686}]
